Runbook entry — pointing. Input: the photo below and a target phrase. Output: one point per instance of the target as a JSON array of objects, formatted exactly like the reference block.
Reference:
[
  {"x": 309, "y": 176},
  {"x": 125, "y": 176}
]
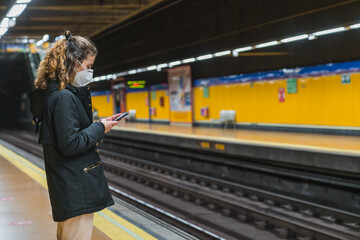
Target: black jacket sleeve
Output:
[{"x": 70, "y": 140}]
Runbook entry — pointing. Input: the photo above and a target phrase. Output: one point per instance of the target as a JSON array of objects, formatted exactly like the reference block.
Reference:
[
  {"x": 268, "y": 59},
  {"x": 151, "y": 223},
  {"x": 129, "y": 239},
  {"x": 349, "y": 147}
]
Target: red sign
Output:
[{"x": 281, "y": 94}]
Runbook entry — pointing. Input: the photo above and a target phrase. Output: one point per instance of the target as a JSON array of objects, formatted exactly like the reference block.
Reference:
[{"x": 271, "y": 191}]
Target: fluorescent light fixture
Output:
[
  {"x": 103, "y": 77},
  {"x": 175, "y": 63},
  {"x": 109, "y": 76},
  {"x": 139, "y": 70},
  {"x": 267, "y": 44},
  {"x": 333, "y": 30},
  {"x": 3, "y": 31},
  {"x": 39, "y": 43},
  {"x": 203, "y": 57},
  {"x": 222, "y": 53},
  {"x": 295, "y": 38},
  {"x": 312, "y": 37},
  {"x": 23, "y": 1},
  {"x": 160, "y": 66},
  {"x": 132, "y": 71},
  {"x": 150, "y": 68},
  {"x": 60, "y": 37},
  {"x": 96, "y": 79},
  {"x": 235, "y": 52},
  {"x": 121, "y": 74},
  {"x": 114, "y": 76},
  {"x": 16, "y": 10},
  {"x": 4, "y": 23},
  {"x": 45, "y": 38},
  {"x": 188, "y": 60},
  {"x": 355, "y": 26}
]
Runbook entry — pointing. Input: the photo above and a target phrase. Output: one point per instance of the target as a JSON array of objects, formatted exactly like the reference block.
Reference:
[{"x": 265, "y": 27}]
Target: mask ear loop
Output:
[{"x": 81, "y": 64}]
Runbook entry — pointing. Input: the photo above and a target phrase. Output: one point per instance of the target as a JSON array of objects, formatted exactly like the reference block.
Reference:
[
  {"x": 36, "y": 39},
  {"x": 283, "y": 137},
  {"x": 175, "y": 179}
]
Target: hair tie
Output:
[{"x": 68, "y": 37}]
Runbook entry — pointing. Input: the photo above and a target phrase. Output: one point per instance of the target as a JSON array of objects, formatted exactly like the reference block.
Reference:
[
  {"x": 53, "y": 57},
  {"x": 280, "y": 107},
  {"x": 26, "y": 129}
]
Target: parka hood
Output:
[{"x": 38, "y": 98}]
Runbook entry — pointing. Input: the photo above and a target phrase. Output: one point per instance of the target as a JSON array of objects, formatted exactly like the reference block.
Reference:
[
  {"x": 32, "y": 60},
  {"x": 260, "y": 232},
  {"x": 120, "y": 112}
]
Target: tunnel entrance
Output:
[{"x": 16, "y": 82}]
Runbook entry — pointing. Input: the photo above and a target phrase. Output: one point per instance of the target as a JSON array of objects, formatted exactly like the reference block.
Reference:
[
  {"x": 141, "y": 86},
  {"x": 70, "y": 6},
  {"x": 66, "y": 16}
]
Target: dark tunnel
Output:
[{"x": 16, "y": 82}]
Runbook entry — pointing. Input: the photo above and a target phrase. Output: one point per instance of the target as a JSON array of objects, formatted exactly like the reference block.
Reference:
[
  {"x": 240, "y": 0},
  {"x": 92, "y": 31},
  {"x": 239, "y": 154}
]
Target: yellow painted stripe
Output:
[
  {"x": 108, "y": 222},
  {"x": 24, "y": 165}
]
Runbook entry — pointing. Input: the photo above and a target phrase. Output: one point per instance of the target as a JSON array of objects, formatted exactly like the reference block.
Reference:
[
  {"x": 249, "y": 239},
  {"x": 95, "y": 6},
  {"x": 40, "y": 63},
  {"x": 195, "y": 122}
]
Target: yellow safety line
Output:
[{"x": 108, "y": 222}]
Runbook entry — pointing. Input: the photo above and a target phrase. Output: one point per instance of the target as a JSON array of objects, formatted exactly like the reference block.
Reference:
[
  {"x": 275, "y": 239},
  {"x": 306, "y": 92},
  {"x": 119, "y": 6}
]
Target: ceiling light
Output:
[
  {"x": 45, "y": 38},
  {"x": 235, "y": 52},
  {"x": 3, "y": 31},
  {"x": 96, "y": 79},
  {"x": 355, "y": 26},
  {"x": 121, "y": 74},
  {"x": 23, "y": 1},
  {"x": 39, "y": 43},
  {"x": 188, "y": 60},
  {"x": 312, "y": 37},
  {"x": 223, "y": 53},
  {"x": 160, "y": 66},
  {"x": 175, "y": 63},
  {"x": 103, "y": 77},
  {"x": 333, "y": 30},
  {"x": 267, "y": 44},
  {"x": 132, "y": 71},
  {"x": 4, "y": 23},
  {"x": 150, "y": 68},
  {"x": 16, "y": 10},
  {"x": 203, "y": 57},
  {"x": 295, "y": 38}
]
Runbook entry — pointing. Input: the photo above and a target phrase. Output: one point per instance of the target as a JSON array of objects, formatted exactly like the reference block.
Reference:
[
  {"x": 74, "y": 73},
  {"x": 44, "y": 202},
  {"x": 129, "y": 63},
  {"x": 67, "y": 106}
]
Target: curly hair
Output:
[{"x": 60, "y": 61}]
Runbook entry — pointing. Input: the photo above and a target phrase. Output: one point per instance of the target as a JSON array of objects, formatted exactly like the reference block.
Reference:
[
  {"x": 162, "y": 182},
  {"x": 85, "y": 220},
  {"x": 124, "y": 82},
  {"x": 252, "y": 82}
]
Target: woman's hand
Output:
[
  {"x": 113, "y": 117},
  {"x": 108, "y": 124}
]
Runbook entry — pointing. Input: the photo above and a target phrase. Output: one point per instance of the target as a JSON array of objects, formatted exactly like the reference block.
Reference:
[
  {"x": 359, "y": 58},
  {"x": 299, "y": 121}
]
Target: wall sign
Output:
[
  {"x": 205, "y": 92},
  {"x": 291, "y": 85},
  {"x": 345, "y": 78},
  {"x": 136, "y": 84},
  {"x": 281, "y": 94}
]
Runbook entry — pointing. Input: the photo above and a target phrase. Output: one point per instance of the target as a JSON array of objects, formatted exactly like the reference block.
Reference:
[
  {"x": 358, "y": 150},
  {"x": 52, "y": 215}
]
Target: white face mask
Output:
[{"x": 83, "y": 78}]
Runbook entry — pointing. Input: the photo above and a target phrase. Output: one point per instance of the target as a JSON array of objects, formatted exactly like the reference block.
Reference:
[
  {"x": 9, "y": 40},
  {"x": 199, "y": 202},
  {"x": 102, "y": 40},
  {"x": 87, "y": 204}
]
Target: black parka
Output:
[{"x": 74, "y": 170}]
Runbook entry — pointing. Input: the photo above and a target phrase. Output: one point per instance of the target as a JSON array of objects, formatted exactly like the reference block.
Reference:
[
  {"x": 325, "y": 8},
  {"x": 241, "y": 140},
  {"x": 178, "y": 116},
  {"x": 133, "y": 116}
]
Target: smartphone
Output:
[{"x": 121, "y": 116}]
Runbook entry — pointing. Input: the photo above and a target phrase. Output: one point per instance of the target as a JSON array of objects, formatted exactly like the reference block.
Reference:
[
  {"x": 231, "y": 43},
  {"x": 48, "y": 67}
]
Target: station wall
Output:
[
  {"x": 159, "y": 101},
  {"x": 318, "y": 101},
  {"x": 321, "y": 98},
  {"x": 138, "y": 101},
  {"x": 103, "y": 103}
]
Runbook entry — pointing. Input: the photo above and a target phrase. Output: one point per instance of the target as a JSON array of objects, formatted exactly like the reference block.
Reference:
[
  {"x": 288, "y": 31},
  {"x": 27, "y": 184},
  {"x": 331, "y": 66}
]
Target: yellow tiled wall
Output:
[
  {"x": 104, "y": 104},
  {"x": 318, "y": 101},
  {"x": 162, "y": 112},
  {"x": 139, "y": 102}
]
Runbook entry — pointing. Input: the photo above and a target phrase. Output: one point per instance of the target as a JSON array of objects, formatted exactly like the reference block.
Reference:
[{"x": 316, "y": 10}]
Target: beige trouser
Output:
[{"x": 76, "y": 228}]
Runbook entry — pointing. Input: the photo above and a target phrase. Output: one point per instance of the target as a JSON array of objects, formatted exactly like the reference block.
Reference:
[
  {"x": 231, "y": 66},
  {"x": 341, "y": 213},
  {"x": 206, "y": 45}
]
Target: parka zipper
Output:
[{"x": 92, "y": 166}]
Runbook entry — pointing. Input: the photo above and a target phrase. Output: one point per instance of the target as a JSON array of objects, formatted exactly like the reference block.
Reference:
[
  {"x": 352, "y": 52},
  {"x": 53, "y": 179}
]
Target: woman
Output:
[{"x": 74, "y": 171}]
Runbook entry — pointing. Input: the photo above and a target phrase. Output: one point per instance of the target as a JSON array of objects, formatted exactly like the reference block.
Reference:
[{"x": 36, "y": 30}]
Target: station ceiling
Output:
[
  {"x": 132, "y": 34},
  {"x": 83, "y": 17}
]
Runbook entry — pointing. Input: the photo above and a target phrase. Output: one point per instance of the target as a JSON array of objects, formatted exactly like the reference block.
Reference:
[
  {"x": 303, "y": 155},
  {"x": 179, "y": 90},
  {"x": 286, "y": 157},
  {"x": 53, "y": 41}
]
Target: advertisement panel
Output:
[{"x": 180, "y": 95}]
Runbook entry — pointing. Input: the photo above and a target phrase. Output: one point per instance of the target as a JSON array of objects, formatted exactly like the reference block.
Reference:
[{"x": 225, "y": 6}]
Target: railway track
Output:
[{"x": 230, "y": 210}]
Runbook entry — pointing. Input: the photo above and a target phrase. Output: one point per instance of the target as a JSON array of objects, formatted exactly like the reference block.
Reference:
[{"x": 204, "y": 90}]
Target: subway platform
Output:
[
  {"x": 324, "y": 152},
  {"x": 25, "y": 211},
  {"x": 311, "y": 141}
]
